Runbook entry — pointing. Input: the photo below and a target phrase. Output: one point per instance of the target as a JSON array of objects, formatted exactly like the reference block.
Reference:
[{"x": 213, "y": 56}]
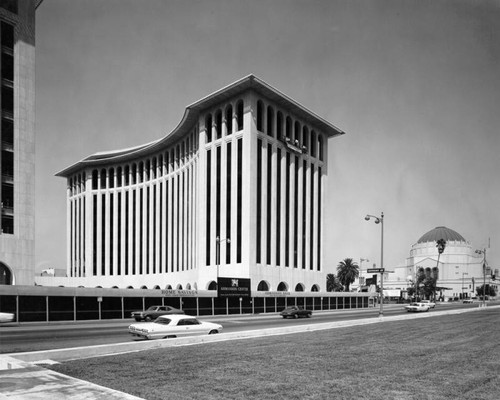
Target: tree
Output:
[
  {"x": 429, "y": 287},
  {"x": 333, "y": 284},
  {"x": 347, "y": 272},
  {"x": 419, "y": 282},
  {"x": 441, "y": 245},
  {"x": 490, "y": 291},
  {"x": 426, "y": 284}
]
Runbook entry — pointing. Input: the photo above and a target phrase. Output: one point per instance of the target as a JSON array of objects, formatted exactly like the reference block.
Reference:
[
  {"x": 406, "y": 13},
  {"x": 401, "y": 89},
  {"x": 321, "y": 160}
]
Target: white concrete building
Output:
[
  {"x": 459, "y": 270},
  {"x": 235, "y": 190},
  {"x": 17, "y": 133}
]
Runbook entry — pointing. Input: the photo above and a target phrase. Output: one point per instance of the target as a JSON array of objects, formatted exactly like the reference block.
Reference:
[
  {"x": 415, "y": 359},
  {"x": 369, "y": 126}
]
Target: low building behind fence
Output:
[{"x": 51, "y": 304}]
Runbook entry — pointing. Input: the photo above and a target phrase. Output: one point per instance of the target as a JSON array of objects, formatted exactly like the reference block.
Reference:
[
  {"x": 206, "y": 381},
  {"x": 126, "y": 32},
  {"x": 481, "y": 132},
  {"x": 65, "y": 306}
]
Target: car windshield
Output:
[
  {"x": 162, "y": 321},
  {"x": 152, "y": 308}
]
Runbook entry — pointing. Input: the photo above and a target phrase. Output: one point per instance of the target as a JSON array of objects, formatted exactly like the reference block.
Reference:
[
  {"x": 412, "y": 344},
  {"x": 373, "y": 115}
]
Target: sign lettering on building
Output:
[
  {"x": 276, "y": 294},
  {"x": 233, "y": 287},
  {"x": 179, "y": 293}
]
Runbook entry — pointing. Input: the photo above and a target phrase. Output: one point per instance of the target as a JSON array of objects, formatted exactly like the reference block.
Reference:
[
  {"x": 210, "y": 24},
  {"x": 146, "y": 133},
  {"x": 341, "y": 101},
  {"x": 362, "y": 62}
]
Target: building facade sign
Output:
[
  {"x": 179, "y": 293},
  {"x": 233, "y": 287},
  {"x": 276, "y": 294}
]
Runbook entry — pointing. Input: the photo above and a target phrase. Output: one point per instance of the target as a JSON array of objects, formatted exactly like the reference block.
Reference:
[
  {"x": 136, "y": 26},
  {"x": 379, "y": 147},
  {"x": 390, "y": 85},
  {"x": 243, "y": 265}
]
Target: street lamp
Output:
[
  {"x": 361, "y": 277},
  {"x": 483, "y": 252},
  {"x": 380, "y": 220},
  {"x": 463, "y": 274},
  {"x": 416, "y": 283},
  {"x": 218, "y": 241}
]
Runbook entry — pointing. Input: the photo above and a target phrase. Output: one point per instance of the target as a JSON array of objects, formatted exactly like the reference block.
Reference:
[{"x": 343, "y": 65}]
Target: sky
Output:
[{"x": 414, "y": 84}]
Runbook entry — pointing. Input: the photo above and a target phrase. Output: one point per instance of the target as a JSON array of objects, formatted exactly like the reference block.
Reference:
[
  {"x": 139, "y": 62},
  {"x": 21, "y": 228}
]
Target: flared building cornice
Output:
[{"x": 191, "y": 116}]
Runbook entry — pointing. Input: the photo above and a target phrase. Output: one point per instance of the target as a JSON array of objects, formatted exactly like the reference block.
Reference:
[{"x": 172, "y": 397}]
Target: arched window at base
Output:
[
  {"x": 299, "y": 287},
  {"x": 5, "y": 275}
]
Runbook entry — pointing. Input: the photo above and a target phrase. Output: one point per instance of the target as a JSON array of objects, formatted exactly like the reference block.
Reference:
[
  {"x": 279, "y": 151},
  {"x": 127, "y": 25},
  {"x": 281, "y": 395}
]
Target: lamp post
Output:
[
  {"x": 361, "y": 277},
  {"x": 218, "y": 241},
  {"x": 380, "y": 220},
  {"x": 416, "y": 282},
  {"x": 463, "y": 274},
  {"x": 483, "y": 252}
]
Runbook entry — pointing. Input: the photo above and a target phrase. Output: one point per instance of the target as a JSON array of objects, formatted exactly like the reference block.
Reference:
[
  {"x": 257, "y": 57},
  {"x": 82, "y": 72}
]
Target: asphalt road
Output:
[{"x": 34, "y": 337}]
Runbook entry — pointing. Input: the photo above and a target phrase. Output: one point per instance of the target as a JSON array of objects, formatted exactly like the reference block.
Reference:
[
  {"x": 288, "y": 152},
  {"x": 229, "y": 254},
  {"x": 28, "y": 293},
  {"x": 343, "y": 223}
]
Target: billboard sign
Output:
[{"x": 233, "y": 287}]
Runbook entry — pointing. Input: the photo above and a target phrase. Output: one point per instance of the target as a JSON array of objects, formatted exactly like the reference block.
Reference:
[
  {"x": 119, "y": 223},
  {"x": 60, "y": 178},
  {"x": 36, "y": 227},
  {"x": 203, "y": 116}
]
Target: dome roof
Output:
[{"x": 441, "y": 232}]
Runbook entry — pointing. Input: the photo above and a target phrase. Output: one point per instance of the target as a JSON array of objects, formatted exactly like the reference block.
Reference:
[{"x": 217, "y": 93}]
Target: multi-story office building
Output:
[
  {"x": 17, "y": 133},
  {"x": 235, "y": 190}
]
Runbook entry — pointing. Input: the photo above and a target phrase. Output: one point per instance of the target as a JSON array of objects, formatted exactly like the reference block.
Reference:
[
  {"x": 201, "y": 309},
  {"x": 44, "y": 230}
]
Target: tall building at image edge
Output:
[
  {"x": 17, "y": 132},
  {"x": 236, "y": 190}
]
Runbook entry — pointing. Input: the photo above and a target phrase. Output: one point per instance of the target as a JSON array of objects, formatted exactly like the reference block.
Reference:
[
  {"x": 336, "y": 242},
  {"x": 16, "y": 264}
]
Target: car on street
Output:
[
  {"x": 431, "y": 304},
  {"x": 417, "y": 307},
  {"x": 295, "y": 312},
  {"x": 173, "y": 326},
  {"x": 467, "y": 301},
  {"x": 154, "y": 312},
  {"x": 6, "y": 317}
]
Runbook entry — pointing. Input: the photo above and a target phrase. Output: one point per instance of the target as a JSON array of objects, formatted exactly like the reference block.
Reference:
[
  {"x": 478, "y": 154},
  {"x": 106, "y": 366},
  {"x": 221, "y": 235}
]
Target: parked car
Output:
[
  {"x": 154, "y": 312},
  {"x": 6, "y": 317},
  {"x": 295, "y": 312},
  {"x": 429, "y": 303},
  {"x": 417, "y": 307},
  {"x": 173, "y": 326},
  {"x": 467, "y": 301}
]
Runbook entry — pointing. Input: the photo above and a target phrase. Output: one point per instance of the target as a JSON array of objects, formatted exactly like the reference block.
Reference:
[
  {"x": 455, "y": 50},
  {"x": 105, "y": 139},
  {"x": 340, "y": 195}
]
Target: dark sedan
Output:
[
  {"x": 154, "y": 312},
  {"x": 295, "y": 312}
]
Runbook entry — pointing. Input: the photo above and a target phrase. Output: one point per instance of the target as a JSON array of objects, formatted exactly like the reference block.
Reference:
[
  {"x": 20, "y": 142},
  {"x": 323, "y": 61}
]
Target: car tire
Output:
[
  {"x": 148, "y": 318},
  {"x": 213, "y": 332},
  {"x": 138, "y": 319}
]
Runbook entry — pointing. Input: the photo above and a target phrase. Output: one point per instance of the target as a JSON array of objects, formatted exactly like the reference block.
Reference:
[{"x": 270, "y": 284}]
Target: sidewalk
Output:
[{"x": 25, "y": 381}]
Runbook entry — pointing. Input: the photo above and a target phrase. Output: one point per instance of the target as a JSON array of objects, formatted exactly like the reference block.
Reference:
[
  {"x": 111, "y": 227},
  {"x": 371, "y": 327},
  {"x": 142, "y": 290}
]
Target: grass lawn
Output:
[{"x": 447, "y": 357}]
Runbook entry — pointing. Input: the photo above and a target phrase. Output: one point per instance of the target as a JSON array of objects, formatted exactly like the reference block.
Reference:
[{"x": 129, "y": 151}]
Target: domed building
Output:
[{"x": 459, "y": 269}]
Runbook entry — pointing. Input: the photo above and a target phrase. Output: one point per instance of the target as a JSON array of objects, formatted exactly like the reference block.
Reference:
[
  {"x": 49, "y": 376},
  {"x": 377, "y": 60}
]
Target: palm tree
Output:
[
  {"x": 333, "y": 284},
  {"x": 347, "y": 272},
  {"x": 441, "y": 245}
]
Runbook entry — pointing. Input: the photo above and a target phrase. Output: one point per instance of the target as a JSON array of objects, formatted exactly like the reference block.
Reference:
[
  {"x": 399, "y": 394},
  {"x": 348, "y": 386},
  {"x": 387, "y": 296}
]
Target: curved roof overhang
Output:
[{"x": 191, "y": 116}]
